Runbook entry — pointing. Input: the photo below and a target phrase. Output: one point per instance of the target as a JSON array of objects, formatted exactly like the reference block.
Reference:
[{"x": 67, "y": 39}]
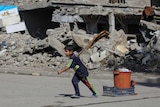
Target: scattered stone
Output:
[{"x": 36, "y": 74}]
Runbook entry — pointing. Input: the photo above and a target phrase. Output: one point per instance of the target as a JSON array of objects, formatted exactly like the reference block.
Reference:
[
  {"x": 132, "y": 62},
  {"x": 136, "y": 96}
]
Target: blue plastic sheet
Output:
[{"x": 7, "y": 7}]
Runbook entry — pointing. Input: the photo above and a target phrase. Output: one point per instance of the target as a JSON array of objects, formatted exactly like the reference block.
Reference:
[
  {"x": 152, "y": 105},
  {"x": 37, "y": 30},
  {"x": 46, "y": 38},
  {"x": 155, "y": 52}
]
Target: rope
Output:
[{"x": 98, "y": 80}]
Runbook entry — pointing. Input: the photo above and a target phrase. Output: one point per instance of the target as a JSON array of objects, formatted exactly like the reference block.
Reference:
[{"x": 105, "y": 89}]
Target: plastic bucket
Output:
[{"x": 122, "y": 79}]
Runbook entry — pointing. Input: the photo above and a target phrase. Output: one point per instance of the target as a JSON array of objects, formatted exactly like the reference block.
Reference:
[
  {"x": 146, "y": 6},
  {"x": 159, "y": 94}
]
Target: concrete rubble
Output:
[
  {"x": 111, "y": 51},
  {"x": 19, "y": 50},
  {"x": 23, "y": 50}
]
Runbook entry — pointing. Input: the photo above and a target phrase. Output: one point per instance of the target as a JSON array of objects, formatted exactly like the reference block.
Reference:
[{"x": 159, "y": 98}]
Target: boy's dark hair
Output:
[{"x": 69, "y": 47}]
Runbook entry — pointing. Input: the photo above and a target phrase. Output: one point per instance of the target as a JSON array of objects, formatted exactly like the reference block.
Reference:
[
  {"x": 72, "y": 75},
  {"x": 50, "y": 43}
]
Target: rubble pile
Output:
[
  {"x": 115, "y": 50},
  {"x": 145, "y": 57},
  {"x": 140, "y": 53},
  {"x": 19, "y": 50},
  {"x": 22, "y": 50}
]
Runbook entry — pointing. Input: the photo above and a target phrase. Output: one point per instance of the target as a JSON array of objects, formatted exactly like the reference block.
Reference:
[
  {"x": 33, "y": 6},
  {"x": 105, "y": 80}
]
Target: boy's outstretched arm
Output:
[{"x": 62, "y": 70}]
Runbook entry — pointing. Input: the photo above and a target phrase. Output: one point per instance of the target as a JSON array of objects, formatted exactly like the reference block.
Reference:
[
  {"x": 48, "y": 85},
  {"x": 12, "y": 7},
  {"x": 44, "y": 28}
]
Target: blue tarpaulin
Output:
[{"x": 7, "y": 7}]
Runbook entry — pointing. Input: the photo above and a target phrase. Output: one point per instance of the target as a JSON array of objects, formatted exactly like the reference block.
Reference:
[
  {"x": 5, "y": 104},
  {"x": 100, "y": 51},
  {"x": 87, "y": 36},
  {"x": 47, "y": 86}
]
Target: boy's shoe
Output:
[
  {"x": 94, "y": 95},
  {"x": 75, "y": 96}
]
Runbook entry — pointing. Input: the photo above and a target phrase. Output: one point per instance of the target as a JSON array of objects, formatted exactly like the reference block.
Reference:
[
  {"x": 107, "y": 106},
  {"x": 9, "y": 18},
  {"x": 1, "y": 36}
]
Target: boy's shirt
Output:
[{"x": 79, "y": 68}]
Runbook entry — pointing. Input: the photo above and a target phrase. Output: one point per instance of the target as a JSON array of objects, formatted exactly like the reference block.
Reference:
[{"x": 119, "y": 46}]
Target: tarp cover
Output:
[{"x": 7, "y": 7}]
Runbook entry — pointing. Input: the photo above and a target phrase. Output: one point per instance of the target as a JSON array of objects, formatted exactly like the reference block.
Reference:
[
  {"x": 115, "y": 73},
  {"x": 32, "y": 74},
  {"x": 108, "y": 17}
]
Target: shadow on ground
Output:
[
  {"x": 107, "y": 102},
  {"x": 150, "y": 83}
]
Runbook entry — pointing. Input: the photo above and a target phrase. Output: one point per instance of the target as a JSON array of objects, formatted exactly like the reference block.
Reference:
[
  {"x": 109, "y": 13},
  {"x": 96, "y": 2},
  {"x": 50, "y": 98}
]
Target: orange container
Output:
[{"x": 122, "y": 79}]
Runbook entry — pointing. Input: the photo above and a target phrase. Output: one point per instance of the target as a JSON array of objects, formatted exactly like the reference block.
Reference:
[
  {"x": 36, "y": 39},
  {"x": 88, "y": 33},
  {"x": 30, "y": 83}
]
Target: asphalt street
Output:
[{"x": 44, "y": 91}]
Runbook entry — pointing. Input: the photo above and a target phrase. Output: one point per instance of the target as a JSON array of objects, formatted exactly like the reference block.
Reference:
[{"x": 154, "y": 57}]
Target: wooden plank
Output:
[{"x": 95, "y": 38}]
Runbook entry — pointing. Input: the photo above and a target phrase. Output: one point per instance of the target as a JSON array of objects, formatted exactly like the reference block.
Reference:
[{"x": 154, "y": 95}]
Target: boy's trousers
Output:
[{"x": 76, "y": 79}]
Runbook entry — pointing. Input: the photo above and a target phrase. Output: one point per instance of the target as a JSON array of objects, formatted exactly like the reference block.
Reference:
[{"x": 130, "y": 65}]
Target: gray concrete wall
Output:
[
  {"x": 133, "y": 3},
  {"x": 138, "y": 3}
]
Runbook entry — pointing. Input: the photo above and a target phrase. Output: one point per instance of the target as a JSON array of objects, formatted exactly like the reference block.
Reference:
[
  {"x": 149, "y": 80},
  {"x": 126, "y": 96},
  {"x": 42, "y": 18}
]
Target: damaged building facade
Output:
[
  {"x": 92, "y": 16},
  {"x": 51, "y": 24}
]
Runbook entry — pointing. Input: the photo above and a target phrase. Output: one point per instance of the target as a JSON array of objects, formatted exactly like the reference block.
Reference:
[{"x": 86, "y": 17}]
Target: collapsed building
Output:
[{"x": 51, "y": 24}]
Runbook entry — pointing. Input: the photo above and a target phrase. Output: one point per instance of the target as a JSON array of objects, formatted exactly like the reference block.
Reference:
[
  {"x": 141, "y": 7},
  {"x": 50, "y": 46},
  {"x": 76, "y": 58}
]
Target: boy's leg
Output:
[
  {"x": 89, "y": 84},
  {"x": 75, "y": 82}
]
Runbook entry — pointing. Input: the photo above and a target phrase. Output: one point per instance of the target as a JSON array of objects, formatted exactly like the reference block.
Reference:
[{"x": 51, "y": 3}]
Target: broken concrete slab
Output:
[
  {"x": 146, "y": 59},
  {"x": 66, "y": 18},
  {"x": 53, "y": 42},
  {"x": 118, "y": 42},
  {"x": 150, "y": 25},
  {"x": 98, "y": 56},
  {"x": 9, "y": 20},
  {"x": 16, "y": 27},
  {"x": 81, "y": 40},
  {"x": 122, "y": 49},
  {"x": 157, "y": 44}
]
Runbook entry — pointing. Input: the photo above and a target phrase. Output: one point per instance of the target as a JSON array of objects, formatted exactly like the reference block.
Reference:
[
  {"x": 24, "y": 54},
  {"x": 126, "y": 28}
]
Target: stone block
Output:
[
  {"x": 99, "y": 56},
  {"x": 9, "y": 20},
  {"x": 16, "y": 27}
]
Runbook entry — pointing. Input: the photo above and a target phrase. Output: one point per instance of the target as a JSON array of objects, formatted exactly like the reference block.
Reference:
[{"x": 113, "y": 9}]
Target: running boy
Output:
[{"x": 81, "y": 72}]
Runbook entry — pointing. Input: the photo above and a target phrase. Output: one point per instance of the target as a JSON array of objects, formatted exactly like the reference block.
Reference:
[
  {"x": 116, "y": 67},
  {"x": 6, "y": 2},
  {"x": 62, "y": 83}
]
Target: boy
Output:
[{"x": 81, "y": 72}]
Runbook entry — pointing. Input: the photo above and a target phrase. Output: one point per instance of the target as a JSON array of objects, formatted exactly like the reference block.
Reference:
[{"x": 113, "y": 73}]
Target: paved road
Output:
[{"x": 43, "y": 91}]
